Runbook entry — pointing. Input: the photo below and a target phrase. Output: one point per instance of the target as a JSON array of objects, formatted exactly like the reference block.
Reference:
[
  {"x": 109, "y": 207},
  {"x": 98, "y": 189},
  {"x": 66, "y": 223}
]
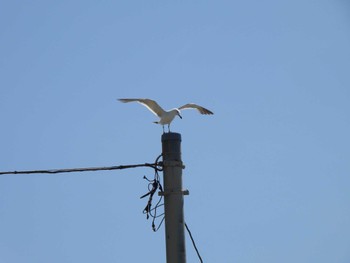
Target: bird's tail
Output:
[{"x": 156, "y": 122}]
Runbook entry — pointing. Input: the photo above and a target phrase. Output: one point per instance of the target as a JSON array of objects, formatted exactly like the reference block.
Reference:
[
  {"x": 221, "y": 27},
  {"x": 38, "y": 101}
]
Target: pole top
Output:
[{"x": 171, "y": 136}]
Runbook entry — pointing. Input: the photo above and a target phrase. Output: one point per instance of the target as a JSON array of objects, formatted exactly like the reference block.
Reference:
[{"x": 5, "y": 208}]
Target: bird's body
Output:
[{"x": 166, "y": 117}]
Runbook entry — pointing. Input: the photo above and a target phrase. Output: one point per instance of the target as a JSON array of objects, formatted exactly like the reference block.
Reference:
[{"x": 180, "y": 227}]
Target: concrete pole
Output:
[{"x": 173, "y": 198}]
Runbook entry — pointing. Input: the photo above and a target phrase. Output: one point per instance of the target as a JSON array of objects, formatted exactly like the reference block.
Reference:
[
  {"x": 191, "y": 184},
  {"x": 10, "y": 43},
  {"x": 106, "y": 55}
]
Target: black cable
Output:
[
  {"x": 149, "y": 210},
  {"x": 155, "y": 166},
  {"x": 160, "y": 224},
  {"x": 194, "y": 244},
  {"x": 153, "y": 186}
]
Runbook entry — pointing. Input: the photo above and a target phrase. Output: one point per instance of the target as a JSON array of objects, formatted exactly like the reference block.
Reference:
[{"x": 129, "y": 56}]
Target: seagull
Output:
[{"x": 166, "y": 117}]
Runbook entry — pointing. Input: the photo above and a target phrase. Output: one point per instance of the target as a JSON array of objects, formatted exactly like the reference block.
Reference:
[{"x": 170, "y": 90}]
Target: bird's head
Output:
[{"x": 178, "y": 113}]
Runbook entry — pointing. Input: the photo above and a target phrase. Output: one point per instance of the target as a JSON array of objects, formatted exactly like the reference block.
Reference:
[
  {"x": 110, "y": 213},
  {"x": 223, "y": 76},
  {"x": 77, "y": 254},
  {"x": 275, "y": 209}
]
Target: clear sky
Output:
[{"x": 268, "y": 174}]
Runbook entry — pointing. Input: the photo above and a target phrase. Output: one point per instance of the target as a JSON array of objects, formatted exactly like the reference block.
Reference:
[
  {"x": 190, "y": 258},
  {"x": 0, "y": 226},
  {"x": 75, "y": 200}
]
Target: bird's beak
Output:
[{"x": 180, "y": 116}]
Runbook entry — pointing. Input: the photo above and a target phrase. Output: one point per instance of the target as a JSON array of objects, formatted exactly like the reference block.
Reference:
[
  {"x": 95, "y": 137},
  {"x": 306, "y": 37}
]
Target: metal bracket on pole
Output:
[
  {"x": 174, "y": 164},
  {"x": 184, "y": 192}
]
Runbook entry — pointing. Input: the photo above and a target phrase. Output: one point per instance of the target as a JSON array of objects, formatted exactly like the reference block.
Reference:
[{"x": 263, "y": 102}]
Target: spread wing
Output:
[
  {"x": 150, "y": 104},
  {"x": 201, "y": 109}
]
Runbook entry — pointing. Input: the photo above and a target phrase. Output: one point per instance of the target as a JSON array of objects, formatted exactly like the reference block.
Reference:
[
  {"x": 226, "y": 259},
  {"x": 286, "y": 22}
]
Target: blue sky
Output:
[{"x": 268, "y": 174}]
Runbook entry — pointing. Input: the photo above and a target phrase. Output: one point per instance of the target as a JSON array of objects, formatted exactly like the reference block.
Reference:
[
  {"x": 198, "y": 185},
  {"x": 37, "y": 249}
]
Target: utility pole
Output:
[{"x": 173, "y": 198}]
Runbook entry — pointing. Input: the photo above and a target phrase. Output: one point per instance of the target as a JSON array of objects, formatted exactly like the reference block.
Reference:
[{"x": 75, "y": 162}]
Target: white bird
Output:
[{"x": 166, "y": 117}]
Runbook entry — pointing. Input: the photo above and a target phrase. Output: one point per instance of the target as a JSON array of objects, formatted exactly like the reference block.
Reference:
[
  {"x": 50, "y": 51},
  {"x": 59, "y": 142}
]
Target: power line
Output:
[
  {"x": 194, "y": 244},
  {"x": 157, "y": 166}
]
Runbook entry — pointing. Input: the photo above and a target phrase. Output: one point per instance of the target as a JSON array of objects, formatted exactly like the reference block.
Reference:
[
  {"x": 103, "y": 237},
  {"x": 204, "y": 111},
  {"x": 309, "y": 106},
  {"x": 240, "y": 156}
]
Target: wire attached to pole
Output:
[
  {"x": 194, "y": 244},
  {"x": 155, "y": 166},
  {"x": 153, "y": 185}
]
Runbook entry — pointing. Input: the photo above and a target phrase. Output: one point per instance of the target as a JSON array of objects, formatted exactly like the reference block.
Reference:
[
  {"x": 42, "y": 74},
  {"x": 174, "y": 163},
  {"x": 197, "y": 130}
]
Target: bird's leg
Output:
[
  {"x": 169, "y": 127},
  {"x": 163, "y": 128}
]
